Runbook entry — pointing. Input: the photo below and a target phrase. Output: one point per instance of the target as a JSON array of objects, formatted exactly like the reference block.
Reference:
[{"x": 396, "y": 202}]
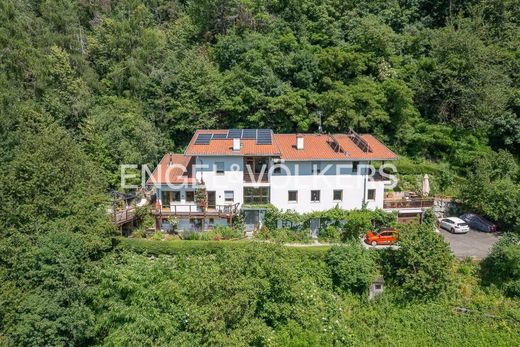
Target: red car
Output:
[{"x": 386, "y": 236}]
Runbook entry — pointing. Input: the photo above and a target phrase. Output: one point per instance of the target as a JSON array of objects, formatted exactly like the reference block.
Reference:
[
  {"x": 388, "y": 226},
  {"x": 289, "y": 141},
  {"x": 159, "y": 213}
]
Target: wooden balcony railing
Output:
[
  {"x": 256, "y": 177},
  {"x": 195, "y": 211},
  {"x": 124, "y": 216},
  {"x": 408, "y": 203}
]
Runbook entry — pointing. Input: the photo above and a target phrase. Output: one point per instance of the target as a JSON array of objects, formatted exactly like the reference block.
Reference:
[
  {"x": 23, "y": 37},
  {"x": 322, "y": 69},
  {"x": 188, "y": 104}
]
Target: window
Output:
[
  {"x": 166, "y": 197},
  {"x": 229, "y": 196},
  {"x": 316, "y": 169},
  {"x": 371, "y": 194},
  {"x": 293, "y": 196},
  {"x": 261, "y": 165},
  {"x": 277, "y": 169},
  {"x": 190, "y": 196},
  {"x": 219, "y": 167},
  {"x": 315, "y": 195},
  {"x": 337, "y": 195},
  {"x": 354, "y": 166},
  {"x": 256, "y": 196},
  {"x": 211, "y": 221},
  {"x": 196, "y": 224},
  {"x": 379, "y": 287},
  {"x": 177, "y": 196}
]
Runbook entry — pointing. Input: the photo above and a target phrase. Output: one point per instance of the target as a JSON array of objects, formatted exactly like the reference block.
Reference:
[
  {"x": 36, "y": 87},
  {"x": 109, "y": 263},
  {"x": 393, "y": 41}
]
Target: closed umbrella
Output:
[{"x": 426, "y": 185}]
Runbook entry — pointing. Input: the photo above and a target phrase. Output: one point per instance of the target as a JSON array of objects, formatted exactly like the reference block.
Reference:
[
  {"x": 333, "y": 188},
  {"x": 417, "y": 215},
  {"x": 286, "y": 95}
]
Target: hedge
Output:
[{"x": 173, "y": 247}]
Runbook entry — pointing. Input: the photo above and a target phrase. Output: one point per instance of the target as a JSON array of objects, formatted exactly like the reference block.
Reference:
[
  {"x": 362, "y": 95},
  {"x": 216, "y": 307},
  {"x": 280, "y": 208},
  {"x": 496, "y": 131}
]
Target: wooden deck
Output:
[
  {"x": 222, "y": 211},
  {"x": 408, "y": 203},
  {"x": 124, "y": 217}
]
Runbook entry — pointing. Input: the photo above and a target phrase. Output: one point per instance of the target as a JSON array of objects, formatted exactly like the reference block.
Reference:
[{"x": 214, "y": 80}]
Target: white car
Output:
[{"x": 454, "y": 225}]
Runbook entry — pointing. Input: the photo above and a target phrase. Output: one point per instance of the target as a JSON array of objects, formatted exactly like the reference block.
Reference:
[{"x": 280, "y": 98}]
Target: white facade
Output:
[
  {"x": 229, "y": 181},
  {"x": 225, "y": 176},
  {"x": 336, "y": 183}
]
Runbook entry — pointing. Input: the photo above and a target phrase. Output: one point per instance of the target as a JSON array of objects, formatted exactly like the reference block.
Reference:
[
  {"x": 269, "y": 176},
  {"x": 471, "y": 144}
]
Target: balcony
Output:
[
  {"x": 222, "y": 211},
  {"x": 256, "y": 170},
  {"x": 256, "y": 177},
  {"x": 410, "y": 203}
]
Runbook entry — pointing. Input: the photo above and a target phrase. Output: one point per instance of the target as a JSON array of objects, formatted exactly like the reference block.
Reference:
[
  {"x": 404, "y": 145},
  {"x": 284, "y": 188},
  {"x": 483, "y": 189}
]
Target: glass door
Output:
[{"x": 212, "y": 201}]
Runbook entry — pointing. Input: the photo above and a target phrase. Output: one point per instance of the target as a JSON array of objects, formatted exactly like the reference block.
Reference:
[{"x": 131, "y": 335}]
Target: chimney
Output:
[
  {"x": 299, "y": 142},
  {"x": 236, "y": 144}
]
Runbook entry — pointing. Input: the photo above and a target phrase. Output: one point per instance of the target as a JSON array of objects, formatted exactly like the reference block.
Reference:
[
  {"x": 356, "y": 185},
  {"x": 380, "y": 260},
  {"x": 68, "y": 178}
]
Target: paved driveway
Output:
[{"x": 473, "y": 244}]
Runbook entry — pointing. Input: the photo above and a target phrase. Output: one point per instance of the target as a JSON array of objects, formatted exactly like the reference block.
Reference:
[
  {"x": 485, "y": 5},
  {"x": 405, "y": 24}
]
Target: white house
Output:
[{"x": 224, "y": 171}]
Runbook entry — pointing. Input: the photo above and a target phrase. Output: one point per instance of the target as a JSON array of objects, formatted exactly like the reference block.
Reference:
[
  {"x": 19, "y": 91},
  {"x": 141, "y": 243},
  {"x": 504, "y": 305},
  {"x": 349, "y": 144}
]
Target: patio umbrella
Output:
[{"x": 426, "y": 185}]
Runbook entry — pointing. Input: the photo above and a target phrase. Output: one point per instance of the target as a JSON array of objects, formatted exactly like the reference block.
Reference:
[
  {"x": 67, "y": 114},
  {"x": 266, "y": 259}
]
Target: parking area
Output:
[{"x": 474, "y": 244}]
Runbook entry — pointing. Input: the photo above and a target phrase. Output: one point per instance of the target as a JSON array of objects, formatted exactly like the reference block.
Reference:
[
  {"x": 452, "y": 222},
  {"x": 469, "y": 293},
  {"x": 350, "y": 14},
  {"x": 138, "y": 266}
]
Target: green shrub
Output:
[
  {"x": 512, "y": 288},
  {"x": 352, "y": 267},
  {"x": 422, "y": 265},
  {"x": 502, "y": 265},
  {"x": 157, "y": 236},
  {"x": 227, "y": 233},
  {"x": 329, "y": 233},
  {"x": 174, "y": 223},
  {"x": 139, "y": 234},
  {"x": 429, "y": 217},
  {"x": 300, "y": 235},
  {"x": 351, "y": 223}
]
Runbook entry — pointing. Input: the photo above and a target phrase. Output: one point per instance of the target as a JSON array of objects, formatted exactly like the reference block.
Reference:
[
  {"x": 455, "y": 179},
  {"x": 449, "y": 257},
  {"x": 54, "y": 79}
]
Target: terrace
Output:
[
  {"x": 406, "y": 200},
  {"x": 192, "y": 210}
]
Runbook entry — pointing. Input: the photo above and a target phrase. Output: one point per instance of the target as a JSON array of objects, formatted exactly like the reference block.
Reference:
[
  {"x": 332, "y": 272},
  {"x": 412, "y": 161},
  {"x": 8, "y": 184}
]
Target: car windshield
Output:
[{"x": 462, "y": 225}]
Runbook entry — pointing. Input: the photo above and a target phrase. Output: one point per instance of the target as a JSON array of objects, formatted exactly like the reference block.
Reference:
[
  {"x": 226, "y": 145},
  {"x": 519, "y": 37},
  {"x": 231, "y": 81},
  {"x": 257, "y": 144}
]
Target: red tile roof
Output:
[
  {"x": 316, "y": 147},
  {"x": 173, "y": 169},
  {"x": 225, "y": 146}
]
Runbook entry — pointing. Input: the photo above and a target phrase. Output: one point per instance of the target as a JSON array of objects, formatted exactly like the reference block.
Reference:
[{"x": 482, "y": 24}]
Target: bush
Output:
[
  {"x": 227, "y": 233},
  {"x": 352, "y": 267},
  {"x": 157, "y": 236},
  {"x": 352, "y": 224},
  {"x": 502, "y": 265},
  {"x": 422, "y": 265},
  {"x": 210, "y": 235},
  {"x": 329, "y": 233},
  {"x": 512, "y": 289},
  {"x": 429, "y": 217},
  {"x": 139, "y": 234}
]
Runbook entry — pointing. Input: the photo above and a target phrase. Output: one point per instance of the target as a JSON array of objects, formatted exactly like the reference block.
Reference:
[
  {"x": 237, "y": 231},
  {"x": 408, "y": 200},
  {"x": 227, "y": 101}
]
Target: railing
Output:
[
  {"x": 256, "y": 177},
  {"x": 195, "y": 210},
  {"x": 227, "y": 209},
  {"x": 408, "y": 203},
  {"x": 125, "y": 216}
]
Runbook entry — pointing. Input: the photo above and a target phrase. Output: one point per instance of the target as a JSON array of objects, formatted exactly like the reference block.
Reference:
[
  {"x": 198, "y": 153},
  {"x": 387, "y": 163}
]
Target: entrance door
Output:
[
  {"x": 212, "y": 201},
  {"x": 315, "y": 228},
  {"x": 251, "y": 219}
]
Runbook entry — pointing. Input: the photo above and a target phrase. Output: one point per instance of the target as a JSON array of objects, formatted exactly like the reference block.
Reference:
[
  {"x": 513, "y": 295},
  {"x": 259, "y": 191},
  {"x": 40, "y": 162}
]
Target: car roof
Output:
[
  {"x": 456, "y": 219},
  {"x": 474, "y": 216}
]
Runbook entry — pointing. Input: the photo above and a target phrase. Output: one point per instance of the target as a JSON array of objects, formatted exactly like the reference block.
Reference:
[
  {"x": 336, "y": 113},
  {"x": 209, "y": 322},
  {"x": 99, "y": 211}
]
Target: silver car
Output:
[{"x": 454, "y": 225}]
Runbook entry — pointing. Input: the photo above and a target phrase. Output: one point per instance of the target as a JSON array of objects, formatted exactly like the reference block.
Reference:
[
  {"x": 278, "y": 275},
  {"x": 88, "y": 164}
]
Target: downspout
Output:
[{"x": 365, "y": 188}]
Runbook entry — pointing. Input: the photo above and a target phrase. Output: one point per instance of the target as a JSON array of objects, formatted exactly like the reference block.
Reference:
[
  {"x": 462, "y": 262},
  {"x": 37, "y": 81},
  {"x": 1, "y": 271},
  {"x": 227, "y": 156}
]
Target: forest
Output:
[{"x": 86, "y": 86}]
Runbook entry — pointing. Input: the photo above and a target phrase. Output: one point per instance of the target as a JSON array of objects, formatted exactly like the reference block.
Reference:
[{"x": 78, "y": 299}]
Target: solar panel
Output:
[
  {"x": 264, "y": 137},
  {"x": 249, "y": 134},
  {"x": 219, "y": 136},
  {"x": 234, "y": 133},
  {"x": 203, "y": 139},
  {"x": 359, "y": 141}
]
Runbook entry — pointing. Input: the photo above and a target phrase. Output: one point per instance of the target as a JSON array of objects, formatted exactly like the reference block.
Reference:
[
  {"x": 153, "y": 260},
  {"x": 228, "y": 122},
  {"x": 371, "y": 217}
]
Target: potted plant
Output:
[
  {"x": 201, "y": 198},
  {"x": 174, "y": 223}
]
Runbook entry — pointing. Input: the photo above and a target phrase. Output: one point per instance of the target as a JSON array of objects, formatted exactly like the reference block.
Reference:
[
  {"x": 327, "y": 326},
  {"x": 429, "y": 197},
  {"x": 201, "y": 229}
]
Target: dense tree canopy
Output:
[{"x": 88, "y": 85}]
